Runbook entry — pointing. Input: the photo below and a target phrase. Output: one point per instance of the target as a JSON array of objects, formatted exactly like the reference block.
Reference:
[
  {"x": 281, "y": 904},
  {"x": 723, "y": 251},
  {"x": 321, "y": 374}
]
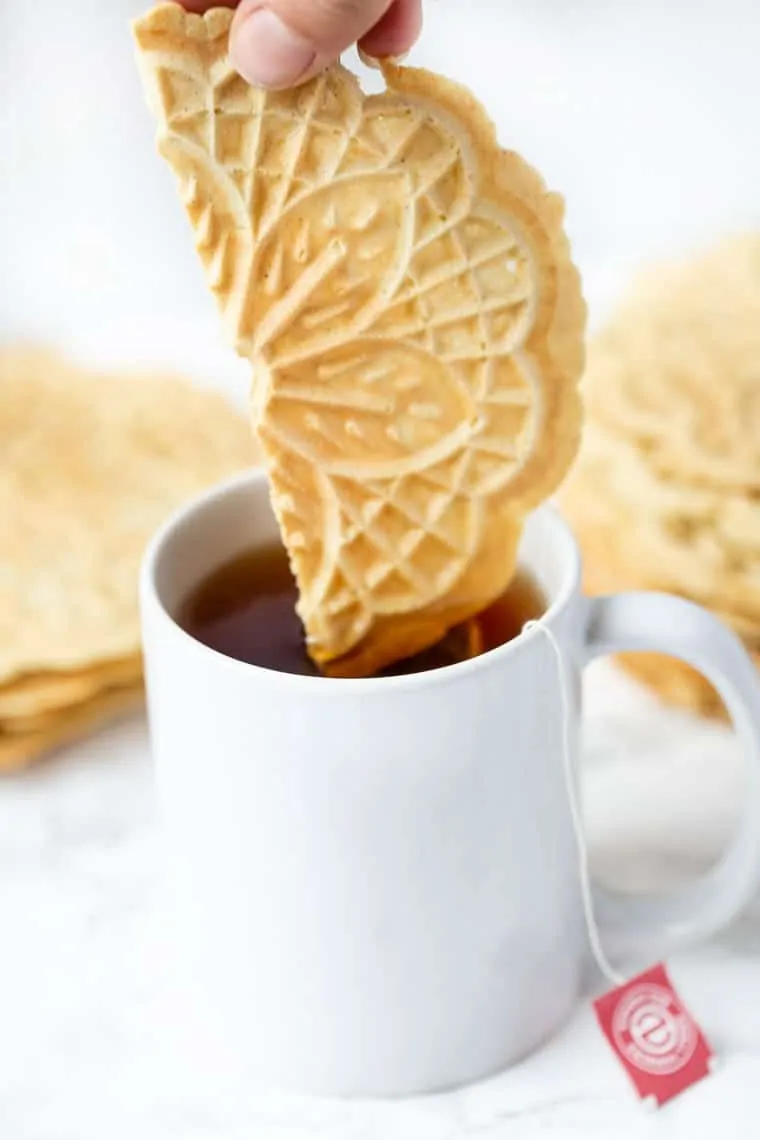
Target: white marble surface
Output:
[
  {"x": 645, "y": 115},
  {"x": 95, "y": 1042}
]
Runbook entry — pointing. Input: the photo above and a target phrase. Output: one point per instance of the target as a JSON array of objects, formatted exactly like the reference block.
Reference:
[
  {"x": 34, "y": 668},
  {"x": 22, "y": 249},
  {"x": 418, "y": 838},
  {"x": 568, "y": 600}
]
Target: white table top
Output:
[{"x": 94, "y": 1041}]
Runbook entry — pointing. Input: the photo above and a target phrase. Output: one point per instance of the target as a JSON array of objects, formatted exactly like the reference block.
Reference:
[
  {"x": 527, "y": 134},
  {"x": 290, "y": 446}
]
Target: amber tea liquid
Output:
[{"x": 246, "y": 609}]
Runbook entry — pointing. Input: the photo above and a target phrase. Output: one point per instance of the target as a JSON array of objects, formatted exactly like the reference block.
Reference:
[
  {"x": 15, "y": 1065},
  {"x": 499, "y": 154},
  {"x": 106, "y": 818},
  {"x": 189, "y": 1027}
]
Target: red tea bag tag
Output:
[{"x": 655, "y": 1037}]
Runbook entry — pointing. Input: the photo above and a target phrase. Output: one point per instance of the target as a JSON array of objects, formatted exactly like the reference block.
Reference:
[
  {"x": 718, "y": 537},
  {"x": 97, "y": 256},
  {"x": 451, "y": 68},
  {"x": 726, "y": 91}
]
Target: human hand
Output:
[{"x": 282, "y": 43}]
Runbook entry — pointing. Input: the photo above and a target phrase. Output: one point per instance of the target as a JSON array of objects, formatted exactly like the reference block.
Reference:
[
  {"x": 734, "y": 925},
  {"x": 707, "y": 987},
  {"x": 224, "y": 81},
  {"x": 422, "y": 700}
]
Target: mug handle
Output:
[{"x": 667, "y": 624}]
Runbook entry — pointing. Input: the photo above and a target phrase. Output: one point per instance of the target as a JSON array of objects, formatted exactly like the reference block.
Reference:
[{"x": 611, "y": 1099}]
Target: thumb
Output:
[{"x": 282, "y": 43}]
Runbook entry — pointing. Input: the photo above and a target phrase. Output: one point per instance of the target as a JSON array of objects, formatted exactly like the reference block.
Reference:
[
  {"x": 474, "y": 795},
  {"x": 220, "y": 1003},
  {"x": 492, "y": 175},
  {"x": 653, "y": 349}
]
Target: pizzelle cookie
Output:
[
  {"x": 675, "y": 367},
  {"x": 404, "y": 292},
  {"x": 19, "y": 749},
  {"x": 90, "y": 465},
  {"x": 49, "y": 692},
  {"x": 698, "y": 540},
  {"x": 666, "y": 491}
]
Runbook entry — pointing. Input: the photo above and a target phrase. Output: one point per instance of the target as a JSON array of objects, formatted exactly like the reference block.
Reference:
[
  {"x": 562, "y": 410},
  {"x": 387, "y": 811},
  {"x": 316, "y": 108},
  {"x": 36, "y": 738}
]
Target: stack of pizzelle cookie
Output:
[
  {"x": 666, "y": 492},
  {"x": 90, "y": 465},
  {"x": 403, "y": 290}
]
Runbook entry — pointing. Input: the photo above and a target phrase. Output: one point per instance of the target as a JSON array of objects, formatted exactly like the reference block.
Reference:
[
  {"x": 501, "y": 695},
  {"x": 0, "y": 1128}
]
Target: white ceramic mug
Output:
[{"x": 379, "y": 878}]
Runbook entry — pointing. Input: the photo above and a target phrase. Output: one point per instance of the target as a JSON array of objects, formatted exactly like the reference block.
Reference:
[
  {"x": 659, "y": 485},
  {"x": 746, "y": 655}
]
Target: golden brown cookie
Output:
[
  {"x": 674, "y": 369},
  {"x": 403, "y": 289},
  {"x": 674, "y": 682},
  {"x": 704, "y": 544},
  {"x": 614, "y": 560},
  {"x": 20, "y": 749},
  {"x": 40, "y": 693},
  {"x": 665, "y": 493},
  {"x": 90, "y": 465}
]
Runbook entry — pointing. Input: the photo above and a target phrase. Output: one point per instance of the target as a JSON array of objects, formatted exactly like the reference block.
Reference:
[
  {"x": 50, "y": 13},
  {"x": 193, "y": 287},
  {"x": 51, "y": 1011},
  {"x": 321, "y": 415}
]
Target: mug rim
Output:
[{"x": 184, "y": 516}]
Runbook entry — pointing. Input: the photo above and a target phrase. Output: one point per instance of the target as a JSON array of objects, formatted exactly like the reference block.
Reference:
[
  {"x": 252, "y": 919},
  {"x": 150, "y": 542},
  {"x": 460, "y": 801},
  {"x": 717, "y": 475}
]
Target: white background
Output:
[{"x": 645, "y": 115}]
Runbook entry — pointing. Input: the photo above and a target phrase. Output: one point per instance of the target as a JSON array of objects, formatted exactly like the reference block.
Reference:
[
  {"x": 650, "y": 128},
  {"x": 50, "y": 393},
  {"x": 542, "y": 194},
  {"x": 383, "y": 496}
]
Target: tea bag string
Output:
[{"x": 601, "y": 959}]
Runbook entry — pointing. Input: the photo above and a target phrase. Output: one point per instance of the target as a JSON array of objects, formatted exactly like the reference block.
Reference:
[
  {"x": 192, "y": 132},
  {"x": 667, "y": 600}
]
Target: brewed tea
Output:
[{"x": 246, "y": 609}]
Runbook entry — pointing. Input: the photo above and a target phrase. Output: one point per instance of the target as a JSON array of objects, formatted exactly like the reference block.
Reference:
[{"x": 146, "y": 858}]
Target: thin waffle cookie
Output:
[
  {"x": 19, "y": 749},
  {"x": 404, "y": 292},
  {"x": 666, "y": 491},
  {"x": 49, "y": 692},
  {"x": 704, "y": 541},
  {"x": 90, "y": 465},
  {"x": 675, "y": 368},
  {"x": 48, "y": 719}
]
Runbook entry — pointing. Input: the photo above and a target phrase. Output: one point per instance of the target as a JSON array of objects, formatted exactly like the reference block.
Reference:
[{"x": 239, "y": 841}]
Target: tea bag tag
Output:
[
  {"x": 654, "y": 1036},
  {"x": 652, "y": 1033}
]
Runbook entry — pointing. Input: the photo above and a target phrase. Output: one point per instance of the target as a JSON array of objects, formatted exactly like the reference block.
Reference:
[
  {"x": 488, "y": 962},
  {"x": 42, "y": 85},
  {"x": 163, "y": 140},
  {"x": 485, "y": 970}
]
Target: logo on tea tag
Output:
[{"x": 655, "y": 1037}]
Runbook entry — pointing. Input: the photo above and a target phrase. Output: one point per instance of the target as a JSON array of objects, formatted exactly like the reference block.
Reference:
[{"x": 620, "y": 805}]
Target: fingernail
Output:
[
  {"x": 267, "y": 52},
  {"x": 376, "y": 62}
]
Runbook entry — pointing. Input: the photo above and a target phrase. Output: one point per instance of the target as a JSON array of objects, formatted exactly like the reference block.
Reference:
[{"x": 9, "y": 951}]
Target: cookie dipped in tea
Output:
[
  {"x": 246, "y": 609},
  {"x": 402, "y": 287}
]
